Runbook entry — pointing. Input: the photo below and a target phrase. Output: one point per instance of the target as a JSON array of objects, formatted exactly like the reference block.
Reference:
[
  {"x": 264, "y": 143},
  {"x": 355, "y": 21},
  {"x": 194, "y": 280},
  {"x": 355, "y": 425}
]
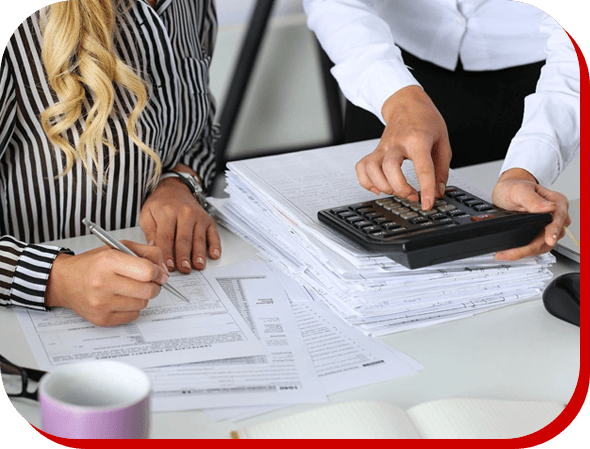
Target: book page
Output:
[
  {"x": 482, "y": 418},
  {"x": 350, "y": 420}
]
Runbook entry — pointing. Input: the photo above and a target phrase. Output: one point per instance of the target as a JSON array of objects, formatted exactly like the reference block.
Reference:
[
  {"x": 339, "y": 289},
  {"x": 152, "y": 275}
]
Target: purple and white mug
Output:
[{"x": 95, "y": 399}]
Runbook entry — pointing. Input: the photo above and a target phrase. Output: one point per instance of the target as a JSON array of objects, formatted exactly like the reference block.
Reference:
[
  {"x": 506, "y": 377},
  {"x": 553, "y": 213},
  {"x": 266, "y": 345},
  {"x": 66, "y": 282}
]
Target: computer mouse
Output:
[{"x": 562, "y": 298}]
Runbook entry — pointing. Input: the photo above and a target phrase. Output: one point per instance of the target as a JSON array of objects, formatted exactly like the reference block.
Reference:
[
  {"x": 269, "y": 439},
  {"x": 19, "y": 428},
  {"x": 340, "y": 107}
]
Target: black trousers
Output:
[{"x": 482, "y": 110}]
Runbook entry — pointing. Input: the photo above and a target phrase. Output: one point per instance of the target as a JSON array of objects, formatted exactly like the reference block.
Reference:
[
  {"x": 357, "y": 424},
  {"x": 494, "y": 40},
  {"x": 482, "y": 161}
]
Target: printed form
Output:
[
  {"x": 169, "y": 331},
  {"x": 285, "y": 375}
]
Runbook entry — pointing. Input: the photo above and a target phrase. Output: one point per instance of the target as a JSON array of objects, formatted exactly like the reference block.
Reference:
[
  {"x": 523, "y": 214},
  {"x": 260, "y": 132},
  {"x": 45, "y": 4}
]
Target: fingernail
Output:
[
  {"x": 441, "y": 189},
  {"x": 186, "y": 264},
  {"x": 216, "y": 253},
  {"x": 164, "y": 278},
  {"x": 164, "y": 267},
  {"x": 151, "y": 243},
  {"x": 170, "y": 264},
  {"x": 426, "y": 203},
  {"x": 200, "y": 261},
  {"x": 375, "y": 191}
]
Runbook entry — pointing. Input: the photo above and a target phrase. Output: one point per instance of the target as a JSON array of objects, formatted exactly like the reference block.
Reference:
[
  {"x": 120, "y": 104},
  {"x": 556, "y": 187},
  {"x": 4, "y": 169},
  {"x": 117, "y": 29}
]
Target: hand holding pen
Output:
[
  {"x": 106, "y": 286},
  {"x": 108, "y": 239}
]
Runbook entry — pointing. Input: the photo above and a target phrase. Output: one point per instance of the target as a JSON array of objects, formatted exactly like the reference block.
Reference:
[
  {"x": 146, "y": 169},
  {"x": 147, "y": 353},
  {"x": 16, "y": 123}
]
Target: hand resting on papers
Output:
[
  {"x": 176, "y": 223},
  {"x": 518, "y": 190}
]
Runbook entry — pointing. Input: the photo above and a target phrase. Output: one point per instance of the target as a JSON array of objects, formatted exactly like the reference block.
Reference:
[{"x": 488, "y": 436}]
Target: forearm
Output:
[{"x": 368, "y": 65}]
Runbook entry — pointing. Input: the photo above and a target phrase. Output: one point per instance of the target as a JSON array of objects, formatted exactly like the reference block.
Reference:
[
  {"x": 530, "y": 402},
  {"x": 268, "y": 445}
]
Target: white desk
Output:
[{"x": 518, "y": 352}]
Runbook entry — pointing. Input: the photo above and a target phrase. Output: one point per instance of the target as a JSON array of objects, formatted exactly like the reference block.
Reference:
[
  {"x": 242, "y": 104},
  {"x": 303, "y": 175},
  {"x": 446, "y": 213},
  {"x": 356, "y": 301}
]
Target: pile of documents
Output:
[
  {"x": 273, "y": 204},
  {"x": 248, "y": 341}
]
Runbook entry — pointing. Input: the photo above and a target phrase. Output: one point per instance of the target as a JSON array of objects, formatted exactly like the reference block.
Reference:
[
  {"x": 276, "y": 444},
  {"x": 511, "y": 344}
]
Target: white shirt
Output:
[{"x": 361, "y": 38}]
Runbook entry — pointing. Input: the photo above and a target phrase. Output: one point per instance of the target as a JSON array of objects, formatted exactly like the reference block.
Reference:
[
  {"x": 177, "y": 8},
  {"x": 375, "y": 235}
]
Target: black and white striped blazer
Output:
[{"x": 171, "y": 47}]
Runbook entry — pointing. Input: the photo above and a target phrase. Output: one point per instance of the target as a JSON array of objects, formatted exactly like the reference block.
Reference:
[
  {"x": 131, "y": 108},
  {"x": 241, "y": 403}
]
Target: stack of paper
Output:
[
  {"x": 273, "y": 204},
  {"x": 250, "y": 340}
]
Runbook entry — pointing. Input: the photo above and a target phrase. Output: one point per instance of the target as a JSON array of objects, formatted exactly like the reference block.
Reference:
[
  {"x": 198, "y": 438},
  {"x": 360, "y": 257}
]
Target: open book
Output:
[{"x": 446, "y": 418}]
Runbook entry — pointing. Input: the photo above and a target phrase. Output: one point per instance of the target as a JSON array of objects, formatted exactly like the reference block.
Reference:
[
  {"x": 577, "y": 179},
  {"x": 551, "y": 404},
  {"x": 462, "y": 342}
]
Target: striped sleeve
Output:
[
  {"x": 7, "y": 105},
  {"x": 24, "y": 271},
  {"x": 201, "y": 158}
]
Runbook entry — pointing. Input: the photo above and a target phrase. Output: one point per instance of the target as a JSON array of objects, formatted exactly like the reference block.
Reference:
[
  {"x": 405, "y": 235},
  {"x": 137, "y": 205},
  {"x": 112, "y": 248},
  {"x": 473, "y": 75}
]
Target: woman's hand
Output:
[
  {"x": 518, "y": 190},
  {"x": 105, "y": 286},
  {"x": 175, "y": 222}
]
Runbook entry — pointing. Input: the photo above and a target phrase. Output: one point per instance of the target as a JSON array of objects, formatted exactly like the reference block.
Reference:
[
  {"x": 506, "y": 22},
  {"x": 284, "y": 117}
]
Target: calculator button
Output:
[
  {"x": 455, "y": 212},
  {"x": 440, "y": 216},
  {"x": 371, "y": 229},
  {"x": 400, "y": 210},
  {"x": 359, "y": 206},
  {"x": 391, "y": 225},
  {"x": 482, "y": 217},
  {"x": 383, "y": 201},
  {"x": 440, "y": 203},
  {"x": 373, "y": 215},
  {"x": 393, "y": 232},
  {"x": 472, "y": 203},
  {"x": 453, "y": 193},
  {"x": 463, "y": 198},
  {"x": 446, "y": 208},
  {"x": 346, "y": 213},
  {"x": 390, "y": 206},
  {"x": 354, "y": 219},
  {"x": 408, "y": 215},
  {"x": 428, "y": 213},
  {"x": 483, "y": 207},
  {"x": 418, "y": 220},
  {"x": 381, "y": 220},
  {"x": 365, "y": 210},
  {"x": 362, "y": 224},
  {"x": 339, "y": 210}
]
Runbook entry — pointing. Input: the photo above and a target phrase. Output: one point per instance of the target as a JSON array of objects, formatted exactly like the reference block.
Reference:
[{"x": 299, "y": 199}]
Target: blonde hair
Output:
[{"x": 79, "y": 57}]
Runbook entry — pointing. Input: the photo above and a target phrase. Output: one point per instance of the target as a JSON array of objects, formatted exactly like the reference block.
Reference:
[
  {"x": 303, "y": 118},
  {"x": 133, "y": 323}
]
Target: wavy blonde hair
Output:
[{"x": 79, "y": 57}]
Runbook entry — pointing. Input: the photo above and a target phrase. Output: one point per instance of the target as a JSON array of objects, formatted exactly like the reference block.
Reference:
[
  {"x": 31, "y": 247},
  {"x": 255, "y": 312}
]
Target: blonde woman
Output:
[{"x": 105, "y": 113}]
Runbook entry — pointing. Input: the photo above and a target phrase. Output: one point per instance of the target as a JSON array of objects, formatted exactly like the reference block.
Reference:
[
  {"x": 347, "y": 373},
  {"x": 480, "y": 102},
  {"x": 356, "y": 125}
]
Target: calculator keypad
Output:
[{"x": 390, "y": 217}]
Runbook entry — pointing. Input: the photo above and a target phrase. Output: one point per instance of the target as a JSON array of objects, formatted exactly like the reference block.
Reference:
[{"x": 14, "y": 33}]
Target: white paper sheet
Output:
[
  {"x": 343, "y": 357},
  {"x": 285, "y": 376},
  {"x": 169, "y": 331}
]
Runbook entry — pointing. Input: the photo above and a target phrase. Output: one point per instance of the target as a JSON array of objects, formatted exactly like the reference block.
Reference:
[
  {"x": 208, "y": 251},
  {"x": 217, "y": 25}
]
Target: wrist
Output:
[
  {"x": 54, "y": 291},
  {"x": 517, "y": 174},
  {"x": 401, "y": 99},
  {"x": 191, "y": 182}
]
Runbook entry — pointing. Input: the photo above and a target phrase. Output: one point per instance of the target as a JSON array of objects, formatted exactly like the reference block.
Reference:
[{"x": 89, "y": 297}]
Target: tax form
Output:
[
  {"x": 285, "y": 376},
  {"x": 169, "y": 331}
]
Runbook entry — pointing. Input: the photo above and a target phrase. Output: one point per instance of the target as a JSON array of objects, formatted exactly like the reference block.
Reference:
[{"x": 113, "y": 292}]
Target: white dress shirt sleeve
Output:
[
  {"x": 367, "y": 64},
  {"x": 550, "y": 134}
]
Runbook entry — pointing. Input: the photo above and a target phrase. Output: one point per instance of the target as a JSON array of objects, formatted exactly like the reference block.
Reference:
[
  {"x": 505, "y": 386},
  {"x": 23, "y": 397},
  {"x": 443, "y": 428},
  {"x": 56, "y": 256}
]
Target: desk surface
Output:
[{"x": 518, "y": 352}]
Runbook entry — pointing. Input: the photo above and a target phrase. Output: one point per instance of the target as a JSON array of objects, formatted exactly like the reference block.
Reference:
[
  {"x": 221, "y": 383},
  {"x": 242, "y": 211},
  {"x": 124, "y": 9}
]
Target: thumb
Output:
[
  {"x": 148, "y": 226},
  {"x": 534, "y": 200}
]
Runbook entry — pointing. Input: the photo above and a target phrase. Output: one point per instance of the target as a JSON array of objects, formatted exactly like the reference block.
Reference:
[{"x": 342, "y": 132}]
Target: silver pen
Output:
[{"x": 109, "y": 240}]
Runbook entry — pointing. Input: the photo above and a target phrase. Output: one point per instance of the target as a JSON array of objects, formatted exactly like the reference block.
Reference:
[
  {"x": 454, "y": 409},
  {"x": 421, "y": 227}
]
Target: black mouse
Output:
[{"x": 562, "y": 298}]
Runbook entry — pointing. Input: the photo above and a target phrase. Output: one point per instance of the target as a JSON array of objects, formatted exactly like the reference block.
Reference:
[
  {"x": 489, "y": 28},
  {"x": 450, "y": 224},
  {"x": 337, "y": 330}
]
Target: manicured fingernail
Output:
[
  {"x": 216, "y": 253},
  {"x": 170, "y": 264},
  {"x": 186, "y": 264},
  {"x": 441, "y": 189},
  {"x": 200, "y": 261},
  {"x": 426, "y": 203}
]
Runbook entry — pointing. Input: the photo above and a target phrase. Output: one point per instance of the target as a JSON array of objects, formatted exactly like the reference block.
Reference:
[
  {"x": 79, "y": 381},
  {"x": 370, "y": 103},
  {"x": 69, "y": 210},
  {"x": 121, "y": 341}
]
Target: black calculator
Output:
[{"x": 459, "y": 225}]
